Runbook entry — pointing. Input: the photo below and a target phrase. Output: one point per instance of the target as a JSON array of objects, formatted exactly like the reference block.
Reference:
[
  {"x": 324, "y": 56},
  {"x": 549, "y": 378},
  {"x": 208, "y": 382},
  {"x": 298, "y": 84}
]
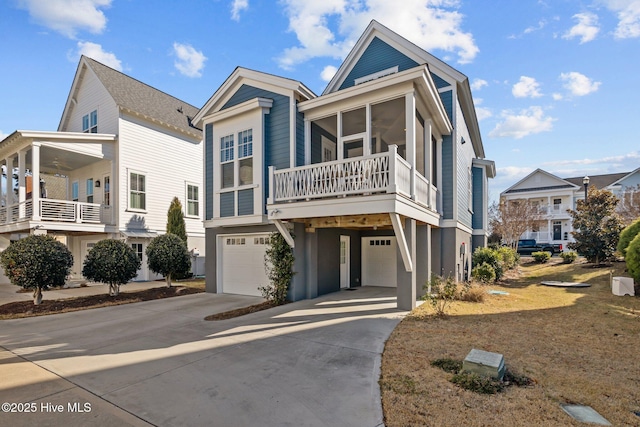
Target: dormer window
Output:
[{"x": 90, "y": 122}]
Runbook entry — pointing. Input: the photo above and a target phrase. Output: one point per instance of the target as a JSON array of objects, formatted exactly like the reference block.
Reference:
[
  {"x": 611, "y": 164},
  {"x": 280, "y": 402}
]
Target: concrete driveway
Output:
[{"x": 310, "y": 363}]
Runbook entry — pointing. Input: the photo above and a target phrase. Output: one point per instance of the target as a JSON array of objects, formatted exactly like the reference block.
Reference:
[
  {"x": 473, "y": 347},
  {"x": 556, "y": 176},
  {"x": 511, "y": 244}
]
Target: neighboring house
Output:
[
  {"x": 553, "y": 196},
  {"x": 122, "y": 151},
  {"x": 381, "y": 179}
]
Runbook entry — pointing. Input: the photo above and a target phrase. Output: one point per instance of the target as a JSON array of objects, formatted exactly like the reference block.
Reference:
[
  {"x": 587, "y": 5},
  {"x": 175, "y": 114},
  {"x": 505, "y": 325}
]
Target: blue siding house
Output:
[{"x": 380, "y": 181}]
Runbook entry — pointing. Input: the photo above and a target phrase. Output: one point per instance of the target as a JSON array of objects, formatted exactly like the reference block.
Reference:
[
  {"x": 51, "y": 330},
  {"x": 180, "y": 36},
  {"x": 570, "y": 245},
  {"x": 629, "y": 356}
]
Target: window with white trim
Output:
[
  {"x": 107, "y": 190},
  {"x": 75, "y": 186},
  {"x": 245, "y": 157},
  {"x": 137, "y": 191},
  {"x": 89, "y": 188},
  {"x": 193, "y": 200},
  {"x": 226, "y": 161},
  {"x": 90, "y": 122}
]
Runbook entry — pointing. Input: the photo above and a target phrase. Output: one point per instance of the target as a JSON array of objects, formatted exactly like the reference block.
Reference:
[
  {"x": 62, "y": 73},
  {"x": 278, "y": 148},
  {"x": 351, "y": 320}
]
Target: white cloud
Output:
[
  {"x": 483, "y": 113},
  {"x": 236, "y": 7},
  {"x": 328, "y": 72},
  {"x": 527, "y": 87},
  {"x": 526, "y": 122},
  {"x": 478, "y": 84},
  {"x": 557, "y": 96},
  {"x": 628, "y": 12},
  {"x": 513, "y": 173},
  {"x": 629, "y": 158},
  {"x": 586, "y": 29},
  {"x": 95, "y": 51},
  {"x": 541, "y": 25},
  {"x": 579, "y": 84},
  {"x": 190, "y": 62},
  {"x": 68, "y": 16},
  {"x": 431, "y": 24}
]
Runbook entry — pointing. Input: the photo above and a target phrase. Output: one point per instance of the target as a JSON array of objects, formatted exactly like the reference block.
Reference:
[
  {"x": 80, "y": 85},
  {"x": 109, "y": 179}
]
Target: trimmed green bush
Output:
[
  {"x": 510, "y": 257},
  {"x": 37, "y": 262},
  {"x": 491, "y": 257},
  {"x": 278, "y": 260},
  {"x": 633, "y": 258},
  {"x": 168, "y": 255},
  {"x": 484, "y": 273},
  {"x": 627, "y": 235},
  {"x": 568, "y": 257},
  {"x": 112, "y": 262},
  {"x": 541, "y": 257}
]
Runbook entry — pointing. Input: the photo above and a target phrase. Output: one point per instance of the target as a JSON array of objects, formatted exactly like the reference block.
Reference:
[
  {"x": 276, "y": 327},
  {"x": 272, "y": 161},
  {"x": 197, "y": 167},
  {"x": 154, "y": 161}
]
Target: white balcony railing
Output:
[
  {"x": 57, "y": 210},
  {"x": 378, "y": 173}
]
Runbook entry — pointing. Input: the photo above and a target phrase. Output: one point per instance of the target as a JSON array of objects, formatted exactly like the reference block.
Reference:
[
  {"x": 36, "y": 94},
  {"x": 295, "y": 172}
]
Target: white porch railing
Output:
[
  {"x": 57, "y": 210},
  {"x": 378, "y": 173}
]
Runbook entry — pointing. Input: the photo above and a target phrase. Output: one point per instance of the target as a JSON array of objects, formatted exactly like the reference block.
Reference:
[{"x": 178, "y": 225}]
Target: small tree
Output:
[
  {"x": 37, "y": 262},
  {"x": 597, "y": 226},
  {"x": 511, "y": 218},
  {"x": 175, "y": 220},
  {"x": 112, "y": 262},
  {"x": 629, "y": 205},
  {"x": 278, "y": 260},
  {"x": 633, "y": 258},
  {"x": 627, "y": 235},
  {"x": 168, "y": 255}
]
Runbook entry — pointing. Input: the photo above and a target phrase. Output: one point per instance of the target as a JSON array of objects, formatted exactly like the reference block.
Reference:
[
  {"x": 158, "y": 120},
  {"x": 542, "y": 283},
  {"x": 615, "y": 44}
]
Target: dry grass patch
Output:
[
  {"x": 20, "y": 309},
  {"x": 578, "y": 345}
]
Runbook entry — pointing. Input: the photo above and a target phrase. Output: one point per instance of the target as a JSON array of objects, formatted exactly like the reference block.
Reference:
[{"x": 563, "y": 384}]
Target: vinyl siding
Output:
[
  {"x": 377, "y": 56},
  {"x": 440, "y": 83},
  {"x": 465, "y": 155},
  {"x": 447, "y": 101},
  {"x": 167, "y": 159},
  {"x": 91, "y": 96},
  {"x": 478, "y": 195},
  {"x": 245, "y": 202},
  {"x": 299, "y": 138},
  {"x": 208, "y": 180}
]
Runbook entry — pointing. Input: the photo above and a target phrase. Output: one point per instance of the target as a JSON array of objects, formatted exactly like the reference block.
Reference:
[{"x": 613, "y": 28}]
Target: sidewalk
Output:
[{"x": 9, "y": 293}]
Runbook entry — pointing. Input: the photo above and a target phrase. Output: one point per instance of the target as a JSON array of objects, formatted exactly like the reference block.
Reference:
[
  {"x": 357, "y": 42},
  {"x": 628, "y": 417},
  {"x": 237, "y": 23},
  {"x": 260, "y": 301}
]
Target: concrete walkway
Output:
[{"x": 310, "y": 363}]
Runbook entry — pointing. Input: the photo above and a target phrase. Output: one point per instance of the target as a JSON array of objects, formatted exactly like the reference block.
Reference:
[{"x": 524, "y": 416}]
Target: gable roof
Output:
[
  {"x": 421, "y": 56},
  {"x": 562, "y": 183},
  {"x": 598, "y": 181},
  {"x": 215, "y": 103},
  {"x": 133, "y": 96}
]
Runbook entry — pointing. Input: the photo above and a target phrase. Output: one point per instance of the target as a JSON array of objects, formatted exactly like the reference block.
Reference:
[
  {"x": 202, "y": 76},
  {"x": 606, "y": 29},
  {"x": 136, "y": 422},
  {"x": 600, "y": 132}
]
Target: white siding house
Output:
[{"x": 122, "y": 152}]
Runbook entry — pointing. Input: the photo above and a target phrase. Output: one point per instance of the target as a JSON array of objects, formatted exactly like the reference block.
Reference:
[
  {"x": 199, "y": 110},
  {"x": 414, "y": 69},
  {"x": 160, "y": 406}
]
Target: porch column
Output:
[
  {"x": 410, "y": 137},
  {"x": 22, "y": 190},
  {"x": 307, "y": 141},
  {"x": 114, "y": 192},
  {"x": 407, "y": 280},
  {"x": 428, "y": 147},
  {"x": 9, "y": 196},
  {"x": 35, "y": 180},
  {"x": 423, "y": 257},
  {"x": 3, "y": 193}
]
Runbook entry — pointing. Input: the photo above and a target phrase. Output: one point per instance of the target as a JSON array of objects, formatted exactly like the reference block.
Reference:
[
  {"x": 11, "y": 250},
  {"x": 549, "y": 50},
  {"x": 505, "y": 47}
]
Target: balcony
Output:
[
  {"x": 555, "y": 210},
  {"x": 63, "y": 211},
  {"x": 376, "y": 174}
]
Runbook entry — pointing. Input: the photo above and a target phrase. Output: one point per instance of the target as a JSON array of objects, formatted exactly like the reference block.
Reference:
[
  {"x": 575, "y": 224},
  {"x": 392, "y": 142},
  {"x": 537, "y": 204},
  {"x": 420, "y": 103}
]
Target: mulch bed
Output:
[
  {"x": 20, "y": 309},
  {"x": 241, "y": 311}
]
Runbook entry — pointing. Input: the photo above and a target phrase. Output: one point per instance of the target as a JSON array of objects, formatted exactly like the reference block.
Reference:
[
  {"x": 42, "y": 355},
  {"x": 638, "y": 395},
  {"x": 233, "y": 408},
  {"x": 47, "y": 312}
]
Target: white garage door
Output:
[
  {"x": 242, "y": 262},
  {"x": 379, "y": 261}
]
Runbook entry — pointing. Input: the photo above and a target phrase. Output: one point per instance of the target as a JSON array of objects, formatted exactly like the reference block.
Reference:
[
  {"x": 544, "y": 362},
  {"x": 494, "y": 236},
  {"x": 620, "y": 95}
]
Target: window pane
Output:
[
  {"x": 94, "y": 118},
  {"x": 85, "y": 123},
  {"x": 245, "y": 175},
  {"x": 245, "y": 143},
  {"x": 74, "y": 191},
  {"x": 141, "y": 181},
  {"x": 90, "y": 187},
  {"x": 226, "y": 148},
  {"x": 354, "y": 122},
  {"x": 192, "y": 208},
  {"x": 227, "y": 175}
]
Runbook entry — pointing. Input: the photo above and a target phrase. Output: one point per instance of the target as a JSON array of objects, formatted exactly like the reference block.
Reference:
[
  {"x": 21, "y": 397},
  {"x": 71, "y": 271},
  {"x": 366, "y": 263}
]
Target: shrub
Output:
[
  {"x": 443, "y": 293},
  {"x": 510, "y": 257},
  {"x": 278, "y": 260},
  {"x": 568, "y": 257},
  {"x": 112, "y": 262},
  {"x": 484, "y": 273},
  {"x": 491, "y": 257},
  {"x": 452, "y": 366},
  {"x": 168, "y": 255},
  {"x": 541, "y": 257},
  {"x": 633, "y": 258},
  {"x": 37, "y": 262},
  {"x": 627, "y": 235},
  {"x": 477, "y": 383}
]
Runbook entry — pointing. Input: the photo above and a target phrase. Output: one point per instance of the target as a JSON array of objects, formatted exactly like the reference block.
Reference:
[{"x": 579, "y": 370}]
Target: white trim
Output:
[
  {"x": 403, "y": 247},
  {"x": 284, "y": 231},
  {"x": 146, "y": 190},
  {"x": 244, "y": 107},
  {"x": 292, "y": 131},
  {"x": 375, "y": 76},
  {"x": 186, "y": 199},
  {"x": 229, "y": 221},
  {"x": 452, "y": 223}
]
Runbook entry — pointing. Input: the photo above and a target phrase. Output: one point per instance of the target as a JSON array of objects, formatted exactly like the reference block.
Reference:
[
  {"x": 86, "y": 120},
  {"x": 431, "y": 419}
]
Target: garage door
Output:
[
  {"x": 242, "y": 262},
  {"x": 379, "y": 261}
]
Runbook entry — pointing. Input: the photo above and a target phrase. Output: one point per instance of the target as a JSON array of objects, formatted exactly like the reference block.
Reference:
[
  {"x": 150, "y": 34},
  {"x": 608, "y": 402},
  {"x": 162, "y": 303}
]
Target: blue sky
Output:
[{"x": 555, "y": 83}]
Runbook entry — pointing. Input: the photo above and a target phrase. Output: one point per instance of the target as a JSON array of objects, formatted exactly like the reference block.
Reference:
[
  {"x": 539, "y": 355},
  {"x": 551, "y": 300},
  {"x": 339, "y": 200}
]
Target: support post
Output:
[
  {"x": 22, "y": 191},
  {"x": 402, "y": 241},
  {"x": 285, "y": 232},
  {"x": 35, "y": 180},
  {"x": 406, "y": 290},
  {"x": 410, "y": 139}
]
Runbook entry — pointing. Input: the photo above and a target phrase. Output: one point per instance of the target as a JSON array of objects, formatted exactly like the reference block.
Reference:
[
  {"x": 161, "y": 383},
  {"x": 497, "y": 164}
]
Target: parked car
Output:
[{"x": 529, "y": 246}]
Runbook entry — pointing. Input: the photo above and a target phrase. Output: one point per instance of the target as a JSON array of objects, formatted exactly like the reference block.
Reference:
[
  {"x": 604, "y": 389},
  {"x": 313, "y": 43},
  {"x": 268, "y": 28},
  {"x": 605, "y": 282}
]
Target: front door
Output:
[
  {"x": 557, "y": 230},
  {"x": 344, "y": 262},
  {"x": 138, "y": 248}
]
